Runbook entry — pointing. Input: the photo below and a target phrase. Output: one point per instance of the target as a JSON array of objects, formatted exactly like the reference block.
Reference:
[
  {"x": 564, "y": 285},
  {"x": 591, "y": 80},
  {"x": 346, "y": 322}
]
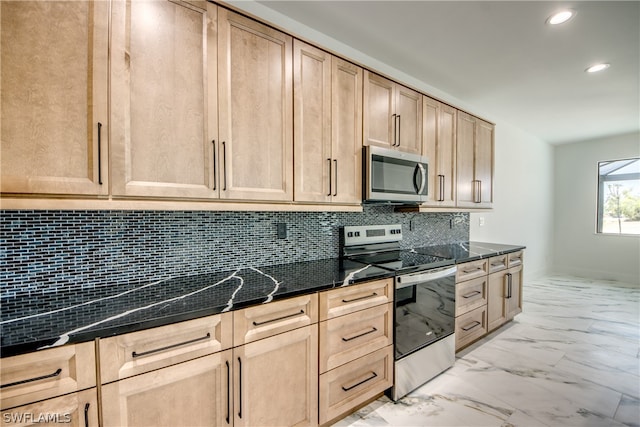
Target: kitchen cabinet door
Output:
[
  {"x": 276, "y": 380},
  {"x": 379, "y": 122},
  {"x": 439, "y": 146},
  {"x": 392, "y": 115},
  {"x": 163, "y": 99},
  {"x": 327, "y": 127},
  {"x": 409, "y": 120},
  {"x": 74, "y": 410},
  {"x": 346, "y": 131},
  {"x": 193, "y": 393},
  {"x": 496, "y": 300},
  {"x": 514, "y": 300},
  {"x": 312, "y": 123},
  {"x": 255, "y": 109},
  {"x": 474, "y": 162},
  {"x": 54, "y": 125}
]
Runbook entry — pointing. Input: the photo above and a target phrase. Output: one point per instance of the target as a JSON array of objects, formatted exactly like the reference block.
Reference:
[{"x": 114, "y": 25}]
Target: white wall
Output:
[
  {"x": 523, "y": 211},
  {"x": 578, "y": 249},
  {"x": 523, "y": 198}
]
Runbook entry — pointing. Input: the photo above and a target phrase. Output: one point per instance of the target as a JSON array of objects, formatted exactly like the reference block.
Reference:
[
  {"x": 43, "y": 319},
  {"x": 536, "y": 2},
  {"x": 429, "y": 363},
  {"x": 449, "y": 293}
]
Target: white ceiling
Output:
[{"x": 501, "y": 57}]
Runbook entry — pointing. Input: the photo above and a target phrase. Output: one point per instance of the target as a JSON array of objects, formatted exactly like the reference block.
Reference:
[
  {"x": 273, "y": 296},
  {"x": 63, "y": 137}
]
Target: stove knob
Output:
[
  {"x": 357, "y": 234},
  {"x": 350, "y": 234}
]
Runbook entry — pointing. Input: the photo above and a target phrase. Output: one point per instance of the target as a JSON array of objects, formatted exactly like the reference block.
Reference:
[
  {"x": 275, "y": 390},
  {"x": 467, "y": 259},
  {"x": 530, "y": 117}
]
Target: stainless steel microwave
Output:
[{"x": 393, "y": 176}]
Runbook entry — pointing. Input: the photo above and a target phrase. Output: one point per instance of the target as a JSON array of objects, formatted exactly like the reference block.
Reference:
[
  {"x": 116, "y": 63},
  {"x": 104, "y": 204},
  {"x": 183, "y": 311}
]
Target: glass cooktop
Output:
[{"x": 403, "y": 260}]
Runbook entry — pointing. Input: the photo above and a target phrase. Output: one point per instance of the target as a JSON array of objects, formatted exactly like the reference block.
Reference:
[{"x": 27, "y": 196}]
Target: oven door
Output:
[
  {"x": 394, "y": 176},
  {"x": 424, "y": 309}
]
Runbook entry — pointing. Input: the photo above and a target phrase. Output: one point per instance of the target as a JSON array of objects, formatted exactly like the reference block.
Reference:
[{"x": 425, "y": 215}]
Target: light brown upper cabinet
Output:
[
  {"x": 474, "y": 162},
  {"x": 163, "y": 99},
  {"x": 327, "y": 127},
  {"x": 392, "y": 115},
  {"x": 54, "y": 97},
  {"x": 255, "y": 110},
  {"x": 439, "y": 145}
]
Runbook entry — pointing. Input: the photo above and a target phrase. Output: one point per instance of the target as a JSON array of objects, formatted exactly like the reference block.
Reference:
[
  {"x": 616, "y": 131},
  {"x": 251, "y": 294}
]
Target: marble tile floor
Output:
[{"x": 571, "y": 358}]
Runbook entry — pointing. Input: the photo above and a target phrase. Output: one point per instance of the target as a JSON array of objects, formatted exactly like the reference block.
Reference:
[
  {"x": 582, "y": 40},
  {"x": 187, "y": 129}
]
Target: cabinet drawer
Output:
[
  {"x": 346, "y": 338},
  {"x": 131, "y": 354},
  {"x": 74, "y": 409},
  {"x": 470, "y": 295},
  {"x": 515, "y": 258},
  {"x": 338, "y": 302},
  {"x": 47, "y": 373},
  {"x": 497, "y": 263},
  {"x": 471, "y": 326},
  {"x": 471, "y": 270},
  {"x": 266, "y": 320},
  {"x": 352, "y": 384}
]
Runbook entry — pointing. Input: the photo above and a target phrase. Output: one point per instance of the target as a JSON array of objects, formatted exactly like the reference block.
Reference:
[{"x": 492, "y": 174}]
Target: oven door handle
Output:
[{"x": 412, "y": 279}]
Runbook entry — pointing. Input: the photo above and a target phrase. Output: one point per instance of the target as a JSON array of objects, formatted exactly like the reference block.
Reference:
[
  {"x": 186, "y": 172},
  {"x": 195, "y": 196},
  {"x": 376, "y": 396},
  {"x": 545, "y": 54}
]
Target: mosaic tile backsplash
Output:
[{"x": 48, "y": 251}]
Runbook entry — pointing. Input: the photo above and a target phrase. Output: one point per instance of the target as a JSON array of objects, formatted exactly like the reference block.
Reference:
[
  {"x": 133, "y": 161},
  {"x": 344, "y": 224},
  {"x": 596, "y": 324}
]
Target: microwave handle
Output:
[{"x": 423, "y": 178}]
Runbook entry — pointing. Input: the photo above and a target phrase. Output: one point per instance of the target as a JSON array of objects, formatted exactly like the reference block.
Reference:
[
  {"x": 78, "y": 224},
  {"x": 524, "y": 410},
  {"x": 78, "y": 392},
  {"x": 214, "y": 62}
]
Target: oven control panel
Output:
[{"x": 367, "y": 234}]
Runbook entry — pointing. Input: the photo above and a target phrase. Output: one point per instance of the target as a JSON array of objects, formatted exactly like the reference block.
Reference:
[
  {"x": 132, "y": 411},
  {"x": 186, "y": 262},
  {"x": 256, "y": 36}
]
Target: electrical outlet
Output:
[
  {"x": 282, "y": 230},
  {"x": 481, "y": 221}
]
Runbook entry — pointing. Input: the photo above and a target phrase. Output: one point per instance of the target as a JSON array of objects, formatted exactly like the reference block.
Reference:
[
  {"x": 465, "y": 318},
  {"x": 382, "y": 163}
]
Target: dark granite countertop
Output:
[{"x": 29, "y": 323}]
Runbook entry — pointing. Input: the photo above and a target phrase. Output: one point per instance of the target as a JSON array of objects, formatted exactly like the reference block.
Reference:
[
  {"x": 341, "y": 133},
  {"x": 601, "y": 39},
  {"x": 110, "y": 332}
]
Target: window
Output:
[{"x": 619, "y": 196}]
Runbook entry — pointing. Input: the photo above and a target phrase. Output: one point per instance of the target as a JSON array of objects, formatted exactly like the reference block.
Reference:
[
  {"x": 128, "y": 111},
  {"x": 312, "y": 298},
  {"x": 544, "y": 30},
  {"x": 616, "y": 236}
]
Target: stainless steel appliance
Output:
[
  {"x": 393, "y": 176},
  {"x": 424, "y": 299}
]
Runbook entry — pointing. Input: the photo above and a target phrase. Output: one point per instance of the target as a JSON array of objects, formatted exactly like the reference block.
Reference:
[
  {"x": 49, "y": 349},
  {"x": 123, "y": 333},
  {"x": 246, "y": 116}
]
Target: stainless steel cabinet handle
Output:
[
  {"x": 372, "y": 330},
  {"x": 335, "y": 188},
  {"x": 157, "y": 350},
  {"x": 509, "y": 284},
  {"x": 30, "y": 380},
  {"x": 395, "y": 130},
  {"x": 472, "y": 270},
  {"x": 360, "y": 383},
  {"x": 477, "y": 191},
  {"x": 471, "y": 326},
  {"x": 278, "y": 318},
  {"x": 399, "y": 134},
  {"x": 215, "y": 179},
  {"x": 99, "y": 153},
  {"x": 441, "y": 188},
  {"x": 471, "y": 294},
  {"x": 329, "y": 160},
  {"x": 360, "y": 298}
]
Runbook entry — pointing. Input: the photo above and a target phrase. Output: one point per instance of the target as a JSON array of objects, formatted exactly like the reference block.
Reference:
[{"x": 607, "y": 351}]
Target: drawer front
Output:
[
  {"x": 471, "y": 294},
  {"x": 497, "y": 263},
  {"x": 346, "y": 338},
  {"x": 515, "y": 258},
  {"x": 74, "y": 409},
  {"x": 352, "y": 384},
  {"x": 131, "y": 354},
  {"x": 471, "y": 326},
  {"x": 338, "y": 302},
  {"x": 48, "y": 373},
  {"x": 270, "y": 319},
  {"x": 471, "y": 270}
]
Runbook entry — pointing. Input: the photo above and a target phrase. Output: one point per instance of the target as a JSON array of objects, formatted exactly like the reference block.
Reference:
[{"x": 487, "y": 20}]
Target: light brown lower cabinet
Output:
[
  {"x": 74, "y": 409},
  {"x": 504, "y": 297},
  {"x": 276, "y": 380},
  {"x": 354, "y": 383},
  {"x": 192, "y": 393}
]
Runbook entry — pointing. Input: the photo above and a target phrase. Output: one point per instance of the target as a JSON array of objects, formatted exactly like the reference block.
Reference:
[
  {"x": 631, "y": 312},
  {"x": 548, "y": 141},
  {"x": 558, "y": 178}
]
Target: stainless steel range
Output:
[{"x": 424, "y": 300}]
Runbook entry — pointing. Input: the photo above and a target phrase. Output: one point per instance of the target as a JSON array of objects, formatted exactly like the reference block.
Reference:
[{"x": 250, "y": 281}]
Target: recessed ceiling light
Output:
[
  {"x": 560, "y": 17},
  {"x": 597, "y": 67}
]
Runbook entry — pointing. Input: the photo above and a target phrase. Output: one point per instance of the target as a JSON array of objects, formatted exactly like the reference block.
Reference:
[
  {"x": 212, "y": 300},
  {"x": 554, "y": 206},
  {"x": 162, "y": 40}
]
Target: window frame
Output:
[{"x": 600, "y": 194}]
